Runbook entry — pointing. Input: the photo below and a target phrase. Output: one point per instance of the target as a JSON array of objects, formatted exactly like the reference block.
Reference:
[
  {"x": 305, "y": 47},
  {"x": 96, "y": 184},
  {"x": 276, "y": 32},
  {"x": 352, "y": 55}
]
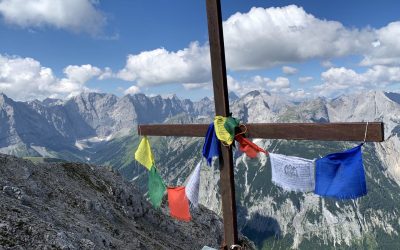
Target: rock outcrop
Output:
[{"x": 78, "y": 206}]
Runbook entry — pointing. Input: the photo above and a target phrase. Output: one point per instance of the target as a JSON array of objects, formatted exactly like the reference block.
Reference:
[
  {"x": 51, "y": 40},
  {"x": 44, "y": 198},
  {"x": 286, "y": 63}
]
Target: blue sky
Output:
[{"x": 298, "y": 49}]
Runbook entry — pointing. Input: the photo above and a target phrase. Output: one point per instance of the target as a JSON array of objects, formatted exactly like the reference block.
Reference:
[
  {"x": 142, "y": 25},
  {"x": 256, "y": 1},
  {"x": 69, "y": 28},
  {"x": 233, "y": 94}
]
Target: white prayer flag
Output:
[
  {"x": 192, "y": 186},
  {"x": 293, "y": 173}
]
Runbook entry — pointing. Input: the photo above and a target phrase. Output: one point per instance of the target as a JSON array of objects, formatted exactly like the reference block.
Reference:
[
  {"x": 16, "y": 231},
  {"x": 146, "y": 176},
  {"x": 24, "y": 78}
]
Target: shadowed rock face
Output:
[{"x": 77, "y": 206}]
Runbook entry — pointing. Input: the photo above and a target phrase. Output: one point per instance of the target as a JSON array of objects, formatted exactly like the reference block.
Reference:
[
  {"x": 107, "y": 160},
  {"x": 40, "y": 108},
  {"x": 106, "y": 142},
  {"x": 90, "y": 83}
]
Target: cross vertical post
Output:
[{"x": 221, "y": 100}]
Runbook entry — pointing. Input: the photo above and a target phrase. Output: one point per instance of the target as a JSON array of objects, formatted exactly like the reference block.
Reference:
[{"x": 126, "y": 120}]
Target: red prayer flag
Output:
[
  {"x": 248, "y": 147},
  {"x": 178, "y": 203}
]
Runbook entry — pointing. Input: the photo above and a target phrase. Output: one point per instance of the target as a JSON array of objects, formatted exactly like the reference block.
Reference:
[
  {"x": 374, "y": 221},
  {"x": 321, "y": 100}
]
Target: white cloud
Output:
[
  {"x": 106, "y": 74},
  {"x": 241, "y": 87},
  {"x": 159, "y": 66},
  {"x": 305, "y": 79},
  {"x": 287, "y": 70},
  {"x": 26, "y": 79},
  {"x": 382, "y": 75},
  {"x": 74, "y": 15},
  {"x": 327, "y": 64},
  {"x": 234, "y": 85},
  {"x": 263, "y": 38},
  {"x": 132, "y": 90},
  {"x": 278, "y": 84},
  {"x": 299, "y": 94},
  {"x": 81, "y": 73},
  {"x": 342, "y": 76},
  {"x": 341, "y": 80},
  {"x": 385, "y": 50},
  {"x": 191, "y": 86}
]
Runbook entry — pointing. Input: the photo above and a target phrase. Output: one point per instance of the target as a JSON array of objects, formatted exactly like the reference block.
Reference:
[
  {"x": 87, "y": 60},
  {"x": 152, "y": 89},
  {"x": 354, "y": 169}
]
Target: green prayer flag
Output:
[
  {"x": 230, "y": 125},
  {"x": 156, "y": 187}
]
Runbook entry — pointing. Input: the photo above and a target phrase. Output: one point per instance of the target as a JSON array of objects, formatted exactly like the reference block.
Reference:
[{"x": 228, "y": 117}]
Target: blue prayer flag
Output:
[
  {"x": 211, "y": 145},
  {"x": 341, "y": 175}
]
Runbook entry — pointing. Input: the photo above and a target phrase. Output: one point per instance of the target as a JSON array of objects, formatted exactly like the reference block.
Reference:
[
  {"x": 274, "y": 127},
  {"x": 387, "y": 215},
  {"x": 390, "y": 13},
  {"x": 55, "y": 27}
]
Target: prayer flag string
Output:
[{"x": 339, "y": 175}]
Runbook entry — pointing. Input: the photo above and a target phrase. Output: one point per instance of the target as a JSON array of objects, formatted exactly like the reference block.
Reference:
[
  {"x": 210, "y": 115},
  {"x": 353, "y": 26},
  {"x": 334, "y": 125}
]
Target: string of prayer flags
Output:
[
  {"x": 192, "y": 186},
  {"x": 143, "y": 154},
  {"x": 211, "y": 147},
  {"x": 156, "y": 187},
  {"x": 248, "y": 147},
  {"x": 292, "y": 173},
  {"x": 178, "y": 203},
  {"x": 341, "y": 175},
  {"x": 221, "y": 132}
]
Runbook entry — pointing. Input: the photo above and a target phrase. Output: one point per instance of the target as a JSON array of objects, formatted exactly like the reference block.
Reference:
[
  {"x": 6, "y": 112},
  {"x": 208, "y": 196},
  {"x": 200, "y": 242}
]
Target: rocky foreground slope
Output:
[{"x": 77, "y": 206}]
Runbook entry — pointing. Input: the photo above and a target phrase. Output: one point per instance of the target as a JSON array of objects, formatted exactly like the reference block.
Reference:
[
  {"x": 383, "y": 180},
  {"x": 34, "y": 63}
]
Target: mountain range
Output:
[{"x": 101, "y": 129}]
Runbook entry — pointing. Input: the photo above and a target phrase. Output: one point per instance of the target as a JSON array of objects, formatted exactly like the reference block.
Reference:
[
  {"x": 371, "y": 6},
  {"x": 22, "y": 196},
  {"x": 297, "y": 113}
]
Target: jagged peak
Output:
[
  {"x": 174, "y": 97},
  {"x": 5, "y": 99},
  {"x": 205, "y": 99},
  {"x": 252, "y": 93},
  {"x": 91, "y": 95},
  {"x": 52, "y": 102},
  {"x": 233, "y": 96},
  {"x": 393, "y": 96},
  {"x": 139, "y": 95}
]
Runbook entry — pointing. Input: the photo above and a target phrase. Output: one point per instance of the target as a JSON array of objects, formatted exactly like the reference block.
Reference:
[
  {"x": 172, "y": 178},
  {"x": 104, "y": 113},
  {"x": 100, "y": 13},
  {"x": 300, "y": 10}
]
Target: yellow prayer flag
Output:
[
  {"x": 220, "y": 130},
  {"x": 143, "y": 153}
]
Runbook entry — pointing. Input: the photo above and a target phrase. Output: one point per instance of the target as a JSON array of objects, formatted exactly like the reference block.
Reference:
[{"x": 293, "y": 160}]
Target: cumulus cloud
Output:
[
  {"x": 234, "y": 85},
  {"x": 385, "y": 50},
  {"x": 160, "y": 66},
  {"x": 299, "y": 94},
  {"x": 26, "y": 79},
  {"x": 132, "y": 90},
  {"x": 106, "y": 74},
  {"x": 191, "y": 86},
  {"x": 263, "y": 38},
  {"x": 277, "y": 85},
  {"x": 242, "y": 87},
  {"x": 287, "y": 70},
  {"x": 305, "y": 79},
  {"x": 340, "y": 80},
  {"x": 266, "y": 37},
  {"x": 81, "y": 74},
  {"x": 74, "y": 15},
  {"x": 327, "y": 64}
]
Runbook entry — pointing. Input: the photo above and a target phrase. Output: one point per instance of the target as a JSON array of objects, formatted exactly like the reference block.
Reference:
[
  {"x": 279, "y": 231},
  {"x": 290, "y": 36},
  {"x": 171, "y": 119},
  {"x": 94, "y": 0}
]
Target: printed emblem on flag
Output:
[{"x": 292, "y": 173}]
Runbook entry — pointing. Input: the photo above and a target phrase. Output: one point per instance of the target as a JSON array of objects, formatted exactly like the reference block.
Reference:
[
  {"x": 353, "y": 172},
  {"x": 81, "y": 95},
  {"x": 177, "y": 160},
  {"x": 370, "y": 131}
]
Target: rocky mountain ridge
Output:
[
  {"x": 270, "y": 216},
  {"x": 77, "y": 206}
]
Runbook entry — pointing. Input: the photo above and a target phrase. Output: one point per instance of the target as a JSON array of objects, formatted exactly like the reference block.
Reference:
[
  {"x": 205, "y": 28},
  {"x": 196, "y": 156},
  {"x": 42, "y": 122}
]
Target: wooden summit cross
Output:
[{"x": 290, "y": 131}]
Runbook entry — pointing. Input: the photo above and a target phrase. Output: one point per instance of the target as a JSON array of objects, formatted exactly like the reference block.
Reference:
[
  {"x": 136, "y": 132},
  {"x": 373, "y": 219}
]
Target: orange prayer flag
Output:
[
  {"x": 248, "y": 147},
  {"x": 178, "y": 203}
]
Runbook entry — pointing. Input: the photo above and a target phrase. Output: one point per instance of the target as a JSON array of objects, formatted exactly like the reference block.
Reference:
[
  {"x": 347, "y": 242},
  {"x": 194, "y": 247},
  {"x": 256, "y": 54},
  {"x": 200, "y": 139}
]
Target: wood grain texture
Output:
[
  {"x": 221, "y": 100},
  {"x": 353, "y": 131}
]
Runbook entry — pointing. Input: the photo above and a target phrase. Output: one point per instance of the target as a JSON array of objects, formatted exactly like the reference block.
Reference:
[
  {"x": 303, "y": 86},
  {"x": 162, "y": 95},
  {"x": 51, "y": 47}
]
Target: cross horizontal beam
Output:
[{"x": 345, "y": 131}]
